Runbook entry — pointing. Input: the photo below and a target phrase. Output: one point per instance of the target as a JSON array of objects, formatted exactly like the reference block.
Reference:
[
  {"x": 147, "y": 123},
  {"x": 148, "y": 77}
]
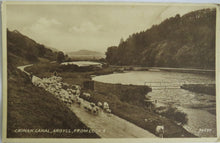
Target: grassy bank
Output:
[
  {"x": 200, "y": 88},
  {"x": 30, "y": 107},
  {"x": 125, "y": 101}
]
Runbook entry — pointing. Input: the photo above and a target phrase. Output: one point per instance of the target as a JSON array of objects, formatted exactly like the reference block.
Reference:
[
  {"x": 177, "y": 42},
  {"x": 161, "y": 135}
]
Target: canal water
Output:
[{"x": 166, "y": 90}]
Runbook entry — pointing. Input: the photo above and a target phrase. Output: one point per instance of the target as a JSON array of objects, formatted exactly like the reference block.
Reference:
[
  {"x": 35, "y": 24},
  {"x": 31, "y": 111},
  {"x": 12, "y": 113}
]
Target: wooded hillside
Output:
[{"x": 180, "y": 41}]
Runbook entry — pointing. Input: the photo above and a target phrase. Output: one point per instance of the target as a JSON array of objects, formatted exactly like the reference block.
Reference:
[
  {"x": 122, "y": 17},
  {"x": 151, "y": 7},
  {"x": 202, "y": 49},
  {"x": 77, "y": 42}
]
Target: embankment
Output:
[
  {"x": 30, "y": 107},
  {"x": 200, "y": 88}
]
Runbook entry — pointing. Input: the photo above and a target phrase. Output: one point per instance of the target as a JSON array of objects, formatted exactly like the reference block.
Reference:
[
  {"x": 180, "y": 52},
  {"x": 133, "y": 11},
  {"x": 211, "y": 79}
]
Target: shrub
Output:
[{"x": 174, "y": 114}]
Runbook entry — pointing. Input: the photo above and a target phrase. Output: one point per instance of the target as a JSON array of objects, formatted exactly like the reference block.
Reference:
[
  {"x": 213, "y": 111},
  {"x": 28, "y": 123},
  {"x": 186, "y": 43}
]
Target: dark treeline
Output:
[{"x": 180, "y": 41}]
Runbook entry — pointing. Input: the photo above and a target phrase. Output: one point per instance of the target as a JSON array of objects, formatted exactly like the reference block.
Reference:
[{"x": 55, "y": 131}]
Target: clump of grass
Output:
[{"x": 173, "y": 113}]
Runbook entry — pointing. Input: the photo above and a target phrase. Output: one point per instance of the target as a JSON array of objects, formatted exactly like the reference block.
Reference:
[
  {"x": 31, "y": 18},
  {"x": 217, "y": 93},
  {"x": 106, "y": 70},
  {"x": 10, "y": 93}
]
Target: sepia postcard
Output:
[{"x": 110, "y": 71}]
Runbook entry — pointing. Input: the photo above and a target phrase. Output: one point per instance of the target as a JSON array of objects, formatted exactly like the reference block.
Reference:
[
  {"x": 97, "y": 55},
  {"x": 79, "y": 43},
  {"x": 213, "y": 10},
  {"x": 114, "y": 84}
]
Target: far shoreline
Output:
[{"x": 168, "y": 69}]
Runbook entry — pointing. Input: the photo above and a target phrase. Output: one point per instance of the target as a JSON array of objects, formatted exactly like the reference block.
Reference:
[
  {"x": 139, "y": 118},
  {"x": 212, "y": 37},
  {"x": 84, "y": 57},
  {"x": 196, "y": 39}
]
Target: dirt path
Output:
[
  {"x": 108, "y": 125},
  {"x": 22, "y": 68},
  {"x": 104, "y": 124}
]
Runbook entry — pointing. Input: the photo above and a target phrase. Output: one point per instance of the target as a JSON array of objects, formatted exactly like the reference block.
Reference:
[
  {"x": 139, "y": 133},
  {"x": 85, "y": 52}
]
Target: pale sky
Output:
[{"x": 91, "y": 27}]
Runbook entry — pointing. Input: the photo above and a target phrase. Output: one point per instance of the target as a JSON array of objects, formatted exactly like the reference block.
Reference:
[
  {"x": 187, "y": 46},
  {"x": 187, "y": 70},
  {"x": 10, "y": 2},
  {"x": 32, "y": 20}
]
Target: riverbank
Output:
[
  {"x": 201, "y": 88},
  {"x": 122, "y": 99},
  {"x": 181, "y": 70}
]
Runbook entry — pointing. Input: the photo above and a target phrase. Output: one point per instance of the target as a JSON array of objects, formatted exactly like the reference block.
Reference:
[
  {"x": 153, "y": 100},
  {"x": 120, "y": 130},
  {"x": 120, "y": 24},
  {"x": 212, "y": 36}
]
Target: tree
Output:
[
  {"x": 121, "y": 41},
  {"x": 111, "y": 55},
  {"x": 60, "y": 57}
]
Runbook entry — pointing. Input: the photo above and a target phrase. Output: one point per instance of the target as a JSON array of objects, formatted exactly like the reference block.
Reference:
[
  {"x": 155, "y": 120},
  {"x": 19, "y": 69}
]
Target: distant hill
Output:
[
  {"x": 85, "y": 54},
  {"x": 180, "y": 41}
]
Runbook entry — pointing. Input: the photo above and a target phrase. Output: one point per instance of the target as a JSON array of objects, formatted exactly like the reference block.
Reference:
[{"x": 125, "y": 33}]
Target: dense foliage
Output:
[{"x": 180, "y": 41}]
